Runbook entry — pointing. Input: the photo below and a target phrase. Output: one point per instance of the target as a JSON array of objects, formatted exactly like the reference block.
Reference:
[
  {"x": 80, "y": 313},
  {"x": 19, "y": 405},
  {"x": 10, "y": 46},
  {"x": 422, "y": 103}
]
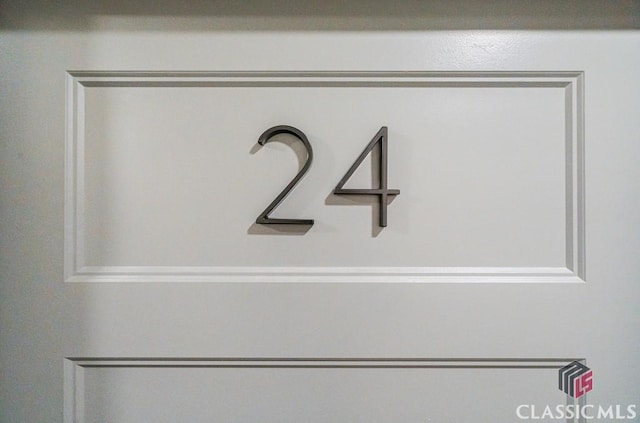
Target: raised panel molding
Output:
[
  {"x": 79, "y": 396},
  {"x": 77, "y": 270}
]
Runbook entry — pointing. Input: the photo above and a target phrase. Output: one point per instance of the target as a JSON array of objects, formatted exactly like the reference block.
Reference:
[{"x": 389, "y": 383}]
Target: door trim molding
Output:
[
  {"x": 75, "y": 269},
  {"x": 75, "y": 368}
]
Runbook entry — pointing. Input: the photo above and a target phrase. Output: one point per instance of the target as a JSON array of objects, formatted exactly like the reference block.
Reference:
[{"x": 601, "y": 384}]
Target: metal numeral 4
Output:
[{"x": 382, "y": 191}]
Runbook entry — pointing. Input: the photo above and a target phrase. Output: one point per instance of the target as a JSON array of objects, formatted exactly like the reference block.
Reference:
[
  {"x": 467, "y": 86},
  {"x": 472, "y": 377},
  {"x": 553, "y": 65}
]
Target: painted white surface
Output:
[
  {"x": 45, "y": 319},
  {"x": 165, "y": 178}
]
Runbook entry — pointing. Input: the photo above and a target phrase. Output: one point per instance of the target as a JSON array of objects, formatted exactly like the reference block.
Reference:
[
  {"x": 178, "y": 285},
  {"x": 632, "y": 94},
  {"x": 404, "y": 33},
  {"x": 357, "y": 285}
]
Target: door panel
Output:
[
  {"x": 161, "y": 185},
  {"x": 308, "y": 390},
  {"x": 501, "y": 185}
]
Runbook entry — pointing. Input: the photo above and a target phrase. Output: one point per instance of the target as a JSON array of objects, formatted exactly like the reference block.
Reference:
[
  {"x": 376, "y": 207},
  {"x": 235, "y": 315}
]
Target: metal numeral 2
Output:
[
  {"x": 263, "y": 218},
  {"x": 381, "y": 138}
]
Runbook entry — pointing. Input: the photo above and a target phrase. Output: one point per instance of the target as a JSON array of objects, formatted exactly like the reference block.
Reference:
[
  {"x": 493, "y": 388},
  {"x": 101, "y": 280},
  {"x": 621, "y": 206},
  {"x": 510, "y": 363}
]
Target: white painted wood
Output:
[
  {"x": 458, "y": 137},
  {"x": 307, "y": 390},
  {"x": 69, "y": 351}
]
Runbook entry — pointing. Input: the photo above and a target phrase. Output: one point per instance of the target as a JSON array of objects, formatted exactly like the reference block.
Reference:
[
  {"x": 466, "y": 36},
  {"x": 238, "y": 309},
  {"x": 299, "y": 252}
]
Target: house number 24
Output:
[{"x": 383, "y": 192}]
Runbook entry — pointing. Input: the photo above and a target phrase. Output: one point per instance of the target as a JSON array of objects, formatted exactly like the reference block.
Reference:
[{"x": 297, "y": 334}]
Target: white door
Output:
[{"x": 138, "y": 287}]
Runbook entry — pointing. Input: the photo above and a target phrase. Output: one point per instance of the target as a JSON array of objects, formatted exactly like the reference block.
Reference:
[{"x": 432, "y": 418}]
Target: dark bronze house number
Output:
[{"x": 383, "y": 192}]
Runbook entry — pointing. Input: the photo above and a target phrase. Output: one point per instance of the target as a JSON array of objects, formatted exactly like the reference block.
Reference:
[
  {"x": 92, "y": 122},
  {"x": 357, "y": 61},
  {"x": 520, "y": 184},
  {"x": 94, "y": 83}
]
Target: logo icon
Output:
[{"x": 575, "y": 379}]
